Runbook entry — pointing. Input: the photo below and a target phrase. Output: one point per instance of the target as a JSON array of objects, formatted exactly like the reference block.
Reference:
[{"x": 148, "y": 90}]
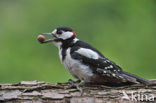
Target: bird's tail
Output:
[{"x": 134, "y": 78}]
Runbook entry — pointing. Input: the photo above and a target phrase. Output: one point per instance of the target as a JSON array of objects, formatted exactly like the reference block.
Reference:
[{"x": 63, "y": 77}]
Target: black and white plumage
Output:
[{"x": 86, "y": 63}]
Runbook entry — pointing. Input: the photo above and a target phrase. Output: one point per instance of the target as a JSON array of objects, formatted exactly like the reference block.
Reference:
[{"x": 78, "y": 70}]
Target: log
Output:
[{"x": 42, "y": 92}]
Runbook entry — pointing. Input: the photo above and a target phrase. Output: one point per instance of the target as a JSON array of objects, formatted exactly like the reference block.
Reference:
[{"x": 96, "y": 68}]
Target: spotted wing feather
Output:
[{"x": 103, "y": 66}]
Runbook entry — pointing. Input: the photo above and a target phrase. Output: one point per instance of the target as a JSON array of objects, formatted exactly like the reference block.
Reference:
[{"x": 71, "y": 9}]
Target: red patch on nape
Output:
[{"x": 74, "y": 33}]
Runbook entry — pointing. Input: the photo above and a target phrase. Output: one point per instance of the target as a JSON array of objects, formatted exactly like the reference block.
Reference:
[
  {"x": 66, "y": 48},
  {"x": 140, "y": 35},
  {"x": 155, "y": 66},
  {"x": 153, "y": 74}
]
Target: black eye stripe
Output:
[{"x": 59, "y": 32}]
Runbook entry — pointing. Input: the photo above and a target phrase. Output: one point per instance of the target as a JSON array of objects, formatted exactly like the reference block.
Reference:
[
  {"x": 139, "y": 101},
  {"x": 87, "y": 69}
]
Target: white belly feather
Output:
[{"x": 76, "y": 69}]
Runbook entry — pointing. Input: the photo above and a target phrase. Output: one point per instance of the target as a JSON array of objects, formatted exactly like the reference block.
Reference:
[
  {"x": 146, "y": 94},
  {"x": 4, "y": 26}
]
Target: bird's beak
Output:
[
  {"x": 50, "y": 34},
  {"x": 49, "y": 40}
]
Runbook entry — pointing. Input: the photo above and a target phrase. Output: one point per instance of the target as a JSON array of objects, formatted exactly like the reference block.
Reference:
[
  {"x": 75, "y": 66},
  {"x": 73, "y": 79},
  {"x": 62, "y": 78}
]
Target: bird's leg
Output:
[
  {"x": 76, "y": 84},
  {"x": 78, "y": 81}
]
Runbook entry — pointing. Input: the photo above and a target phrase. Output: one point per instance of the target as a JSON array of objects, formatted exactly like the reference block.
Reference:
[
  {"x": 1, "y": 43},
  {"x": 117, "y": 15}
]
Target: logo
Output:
[{"x": 137, "y": 96}]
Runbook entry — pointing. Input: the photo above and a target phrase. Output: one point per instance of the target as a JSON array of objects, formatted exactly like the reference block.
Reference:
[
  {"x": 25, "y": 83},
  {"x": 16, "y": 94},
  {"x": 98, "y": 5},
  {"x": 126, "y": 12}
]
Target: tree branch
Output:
[{"x": 34, "y": 91}]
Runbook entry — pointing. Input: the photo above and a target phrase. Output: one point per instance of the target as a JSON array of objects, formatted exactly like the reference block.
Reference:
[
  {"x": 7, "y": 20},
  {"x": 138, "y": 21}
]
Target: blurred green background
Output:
[{"x": 123, "y": 30}]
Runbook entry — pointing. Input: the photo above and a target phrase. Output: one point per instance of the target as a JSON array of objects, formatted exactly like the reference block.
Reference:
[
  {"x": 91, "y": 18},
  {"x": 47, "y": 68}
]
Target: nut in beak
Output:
[{"x": 41, "y": 38}]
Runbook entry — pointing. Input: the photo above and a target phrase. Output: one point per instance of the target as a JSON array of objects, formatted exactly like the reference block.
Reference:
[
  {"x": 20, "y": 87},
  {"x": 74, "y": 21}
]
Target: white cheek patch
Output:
[
  {"x": 88, "y": 53},
  {"x": 66, "y": 35}
]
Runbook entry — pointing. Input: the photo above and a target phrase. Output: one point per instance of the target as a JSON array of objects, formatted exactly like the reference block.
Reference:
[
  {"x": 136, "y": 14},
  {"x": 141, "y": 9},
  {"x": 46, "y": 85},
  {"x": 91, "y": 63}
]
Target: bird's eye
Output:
[{"x": 59, "y": 32}]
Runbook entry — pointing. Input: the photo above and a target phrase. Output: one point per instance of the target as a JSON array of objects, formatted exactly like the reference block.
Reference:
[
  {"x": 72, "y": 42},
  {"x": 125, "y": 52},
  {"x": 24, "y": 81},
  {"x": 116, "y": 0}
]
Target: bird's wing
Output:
[{"x": 101, "y": 66}]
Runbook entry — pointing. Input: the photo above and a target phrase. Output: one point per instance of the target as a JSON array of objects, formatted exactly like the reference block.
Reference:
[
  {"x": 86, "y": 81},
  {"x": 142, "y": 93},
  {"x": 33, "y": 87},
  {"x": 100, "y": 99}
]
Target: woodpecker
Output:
[{"x": 86, "y": 63}]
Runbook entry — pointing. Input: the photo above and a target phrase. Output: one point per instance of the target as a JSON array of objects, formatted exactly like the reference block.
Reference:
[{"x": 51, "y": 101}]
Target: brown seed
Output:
[{"x": 41, "y": 38}]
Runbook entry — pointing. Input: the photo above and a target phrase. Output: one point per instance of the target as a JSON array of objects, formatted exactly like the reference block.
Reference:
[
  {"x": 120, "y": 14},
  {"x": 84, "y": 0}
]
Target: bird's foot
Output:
[{"x": 76, "y": 84}]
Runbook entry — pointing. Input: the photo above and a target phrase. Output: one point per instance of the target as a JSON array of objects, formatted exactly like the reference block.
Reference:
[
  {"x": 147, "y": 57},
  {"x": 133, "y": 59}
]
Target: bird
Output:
[{"x": 86, "y": 63}]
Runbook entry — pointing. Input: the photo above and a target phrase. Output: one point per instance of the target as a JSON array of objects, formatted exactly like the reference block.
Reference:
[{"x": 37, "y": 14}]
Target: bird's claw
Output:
[{"x": 76, "y": 84}]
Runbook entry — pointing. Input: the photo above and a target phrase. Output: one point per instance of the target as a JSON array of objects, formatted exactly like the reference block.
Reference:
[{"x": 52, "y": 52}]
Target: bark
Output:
[{"x": 42, "y": 92}]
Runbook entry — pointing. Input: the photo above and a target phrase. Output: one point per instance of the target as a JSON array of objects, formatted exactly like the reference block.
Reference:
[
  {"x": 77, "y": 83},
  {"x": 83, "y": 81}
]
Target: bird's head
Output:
[
  {"x": 60, "y": 35},
  {"x": 63, "y": 33}
]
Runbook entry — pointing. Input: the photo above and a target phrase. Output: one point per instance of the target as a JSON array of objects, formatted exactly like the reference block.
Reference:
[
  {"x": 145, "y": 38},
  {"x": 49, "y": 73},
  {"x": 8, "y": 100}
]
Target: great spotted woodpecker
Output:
[{"x": 86, "y": 63}]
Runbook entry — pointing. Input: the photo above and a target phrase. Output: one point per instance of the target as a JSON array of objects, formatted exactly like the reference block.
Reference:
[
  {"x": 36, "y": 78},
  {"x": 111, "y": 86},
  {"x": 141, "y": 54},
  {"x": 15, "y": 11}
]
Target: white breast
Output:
[{"x": 76, "y": 68}]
